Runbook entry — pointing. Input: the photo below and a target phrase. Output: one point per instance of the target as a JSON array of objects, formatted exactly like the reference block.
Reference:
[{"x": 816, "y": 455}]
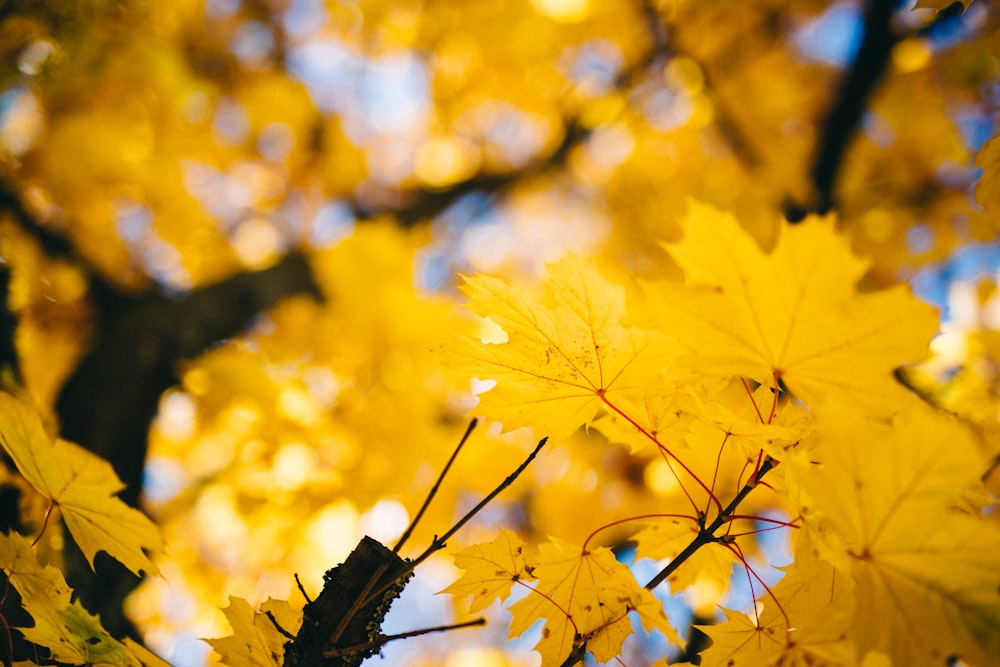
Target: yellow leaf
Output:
[
  {"x": 649, "y": 414},
  {"x": 76, "y": 637},
  {"x": 793, "y": 313},
  {"x": 756, "y": 421},
  {"x": 82, "y": 485},
  {"x": 928, "y": 575},
  {"x": 491, "y": 570},
  {"x": 72, "y": 634},
  {"x": 585, "y": 597},
  {"x": 37, "y": 584},
  {"x": 567, "y": 355},
  {"x": 805, "y": 621},
  {"x": 255, "y": 640}
]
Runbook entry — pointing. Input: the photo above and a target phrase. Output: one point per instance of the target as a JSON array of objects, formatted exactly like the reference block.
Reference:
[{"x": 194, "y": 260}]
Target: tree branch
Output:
[
  {"x": 111, "y": 398},
  {"x": 707, "y": 533},
  {"x": 844, "y": 117}
]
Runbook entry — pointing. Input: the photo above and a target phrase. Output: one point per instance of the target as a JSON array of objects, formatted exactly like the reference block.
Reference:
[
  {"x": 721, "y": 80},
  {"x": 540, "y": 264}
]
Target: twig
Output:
[
  {"x": 277, "y": 626},
  {"x": 440, "y": 542},
  {"x": 381, "y": 640},
  {"x": 302, "y": 589},
  {"x": 434, "y": 489},
  {"x": 707, "y": 533},
  {"x": 844, "y": 117}
]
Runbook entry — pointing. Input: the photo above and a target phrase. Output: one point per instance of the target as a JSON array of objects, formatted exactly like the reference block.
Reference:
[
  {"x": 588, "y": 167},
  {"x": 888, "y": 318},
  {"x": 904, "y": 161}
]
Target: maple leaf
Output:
[
  {"x": 585, "y": 597},
  {"x": 255, "y": 640},
  {"x": 491, "y": 570},
  {"x": 82, "y": 485},
  {"x": 643, "y": 419},
  {"x": 928, "y": 575},
  {"x": 40, "y": 585},
  {"x": 755, "y": 423},
  {"x": 793, "y": 313},
  {"x": 566, "y": 355},
  {"x": 75, "y": 636},
  {"x": 805, "y": 621}
]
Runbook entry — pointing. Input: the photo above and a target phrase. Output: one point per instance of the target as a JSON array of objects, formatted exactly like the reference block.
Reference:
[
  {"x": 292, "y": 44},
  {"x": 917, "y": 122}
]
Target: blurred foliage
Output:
[{"x": 159, "y": 148}]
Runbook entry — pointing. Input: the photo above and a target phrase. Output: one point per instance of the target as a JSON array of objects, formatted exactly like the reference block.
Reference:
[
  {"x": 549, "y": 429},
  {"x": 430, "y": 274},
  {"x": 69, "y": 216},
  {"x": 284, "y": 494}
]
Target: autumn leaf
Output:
[
  {"x": 82, "y": 485},
  {"x": 255, "y": 640},
  {"x": 805, "y": 621},
  {"x": 643, "y": 419},
  {"x": 755, "y": 421},
  {"x": 794, "y": 313},
  {"x": 883, "y": 507},
  {"x": 585, "y": 596},
  {"x": 567, "y": 356},
  {"x": 37, "y": 584},
  {"x": 76, "y": 637},
  {"x": 491, "y": 570},
  {"x": 73, "y": 635}
]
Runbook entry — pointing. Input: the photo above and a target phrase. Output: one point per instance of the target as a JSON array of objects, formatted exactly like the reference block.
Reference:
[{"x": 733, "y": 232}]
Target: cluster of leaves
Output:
[
  {"x": 763, "y": 373},
  {"x": 81, "y": 488},
  {"x": 149, "y": 149}
]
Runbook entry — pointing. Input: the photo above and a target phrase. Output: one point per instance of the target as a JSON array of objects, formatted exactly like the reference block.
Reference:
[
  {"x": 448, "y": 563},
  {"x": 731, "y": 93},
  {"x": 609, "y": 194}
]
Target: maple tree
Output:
[{"x": 264, "y": 260}]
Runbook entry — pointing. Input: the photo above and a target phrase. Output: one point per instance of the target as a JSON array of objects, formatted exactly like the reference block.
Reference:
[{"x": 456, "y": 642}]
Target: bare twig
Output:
[
  {"x": 381, "y": 640},
  {"x": 434, "y": 489},
  {"x": 440, "y": 542},
  {"x": 844, "y": 116}
]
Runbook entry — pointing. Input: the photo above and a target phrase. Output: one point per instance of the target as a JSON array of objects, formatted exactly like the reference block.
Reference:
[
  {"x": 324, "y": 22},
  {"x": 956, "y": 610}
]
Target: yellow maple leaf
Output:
[
  {"x": 82, "y": 485},
  {"x": 40, "y": 585},
  {"x": 644, "y": 418},
  {"x": 883, "y": 508},
  {"x": 805, "y": 621},
  {"x": 255, "y": 640},
  {"x": 793, "y": 313},
  {"x": 753, "y": 421},
  {"x": 75, "y": 636},
  {"x": 491, "y": 570},
  {"x": 585, "y": 597},
  {"x": 567, "y": 355}
]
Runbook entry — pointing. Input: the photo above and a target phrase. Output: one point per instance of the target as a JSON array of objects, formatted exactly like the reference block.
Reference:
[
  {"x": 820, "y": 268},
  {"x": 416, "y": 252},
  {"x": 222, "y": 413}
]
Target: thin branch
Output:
[
  {"x": 277, "y": 626},
  {"x": 430, "y": 496},
  {"x": 440, "y": 542},
  {"x": 381, "y": 640},
  {"x": 707, "y": 533},
  {"x": 53, "y": 245},
  {"x": 576, "y": 655},
  {"x": 844, "y": 117},
  {"x": 302, "y": 589}
]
